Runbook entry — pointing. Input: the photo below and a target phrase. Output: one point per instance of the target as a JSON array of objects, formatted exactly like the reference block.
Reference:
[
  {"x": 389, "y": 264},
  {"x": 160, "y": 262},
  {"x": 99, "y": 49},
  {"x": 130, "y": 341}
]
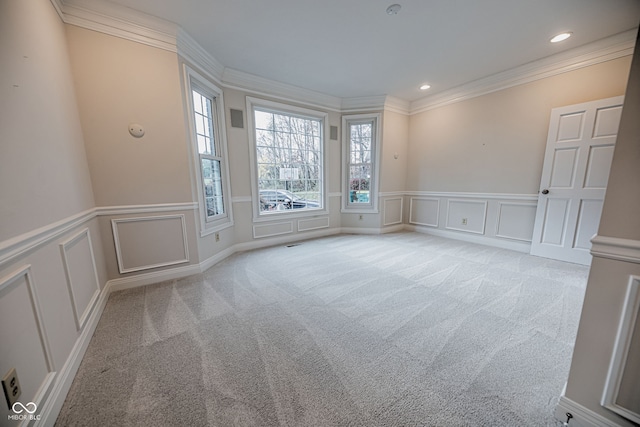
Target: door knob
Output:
[{"x": 545, "y": 191}]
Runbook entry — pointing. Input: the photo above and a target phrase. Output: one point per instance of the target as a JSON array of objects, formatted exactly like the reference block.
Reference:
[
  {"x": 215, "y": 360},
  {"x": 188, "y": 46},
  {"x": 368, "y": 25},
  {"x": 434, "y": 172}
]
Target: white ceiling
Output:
[{"x": 352, "y": 48}]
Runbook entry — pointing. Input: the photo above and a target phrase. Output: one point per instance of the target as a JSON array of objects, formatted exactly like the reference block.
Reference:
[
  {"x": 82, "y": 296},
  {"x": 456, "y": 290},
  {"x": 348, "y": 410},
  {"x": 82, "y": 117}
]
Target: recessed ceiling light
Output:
[
  {"x": 393, "y": 9},
  {"x": 560, "y": 37},
  {"x": 424, "y": 87}
]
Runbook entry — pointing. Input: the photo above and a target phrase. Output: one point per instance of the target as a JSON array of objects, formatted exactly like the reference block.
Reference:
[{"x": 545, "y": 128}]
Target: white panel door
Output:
[{"x": 574, "y": 178}]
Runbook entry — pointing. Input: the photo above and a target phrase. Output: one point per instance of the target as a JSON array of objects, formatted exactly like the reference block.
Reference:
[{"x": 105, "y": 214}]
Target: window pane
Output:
[
  {"x": 289, "y": 161},
  {"x": 360, "y": 162},
  {"x": 281, "y": 122},
  {"x": 263, "y": 120},
  {"x": 203, "y": 120},
  {"x": 201, "y": 128},
  {"x": 360, "y": 171},
  {"x": 203, "y": 144},
  {"x": 212, "y": 183},
  {"x": 197, "y": 102},
  {"x": 362, "y": 130},
  {"x": 264, "y": 138},
  {"x": 214, "y": 206}
]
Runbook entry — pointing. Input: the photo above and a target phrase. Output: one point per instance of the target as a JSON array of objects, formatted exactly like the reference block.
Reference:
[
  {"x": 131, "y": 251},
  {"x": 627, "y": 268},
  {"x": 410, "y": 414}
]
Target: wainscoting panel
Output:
[
  {"x": 392, "y": 211},
  {"x": 467, "y": 215},
  {"x": 313, "y": 224},
  {"x": 24, "y": 341},
  {"x": 269, "y": 230},
  {"x": 497, "y": 219},
  {"x": 623, "y": 380},
  {"x": 144, "y": 243},
  {"x": 515, "y": 220},
  {"x": 81, "y": 274},
  {"x": 424, "y": 211}
]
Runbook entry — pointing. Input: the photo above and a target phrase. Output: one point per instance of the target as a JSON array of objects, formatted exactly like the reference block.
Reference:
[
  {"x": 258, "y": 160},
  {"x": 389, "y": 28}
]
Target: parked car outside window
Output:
[{"x": 283, "y": 199}]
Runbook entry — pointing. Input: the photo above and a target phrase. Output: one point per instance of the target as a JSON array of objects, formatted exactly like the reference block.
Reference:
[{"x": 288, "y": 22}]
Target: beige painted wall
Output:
[
  {"x": 44, "y": 175},
  {"x": 395, "y": 139},
  {"x": 608, "y": 279},
  {"x": 621, "y": 210},
  {"x": 238, "y": 146},
  {"x": 120, "y": 82},
  {"x": 495, "y": 143}
]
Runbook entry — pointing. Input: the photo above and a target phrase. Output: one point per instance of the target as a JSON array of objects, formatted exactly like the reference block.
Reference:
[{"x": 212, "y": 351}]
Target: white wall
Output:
[{"x": 394, "y": 152}]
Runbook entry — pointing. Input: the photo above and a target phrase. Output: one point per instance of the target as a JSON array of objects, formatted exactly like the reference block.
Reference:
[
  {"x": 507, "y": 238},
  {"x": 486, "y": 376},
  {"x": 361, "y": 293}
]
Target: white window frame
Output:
[
  {"x": 278, "y": 107},
  {"x": 347, "y": 205},
  {"x": 196, "y": 81}
]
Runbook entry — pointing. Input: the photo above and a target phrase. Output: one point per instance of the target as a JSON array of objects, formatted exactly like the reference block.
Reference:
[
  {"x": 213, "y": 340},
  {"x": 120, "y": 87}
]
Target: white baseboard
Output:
[
  {"x": 373, "y": 230},
  {"x": 280, "y": 240},
  {"x": 65, "y": 377},
  {"x": 582, "y": 416},
  {"x": 213, "y": 260},
  {"x": 153, "y": 277},
  {"x": 473, "y": 238},
  {"x": 393, "y": 228}
]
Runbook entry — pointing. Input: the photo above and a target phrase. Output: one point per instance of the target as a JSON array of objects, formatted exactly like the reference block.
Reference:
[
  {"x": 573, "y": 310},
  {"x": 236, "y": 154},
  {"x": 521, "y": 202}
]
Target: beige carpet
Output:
[{"x": 395, "y": 330}]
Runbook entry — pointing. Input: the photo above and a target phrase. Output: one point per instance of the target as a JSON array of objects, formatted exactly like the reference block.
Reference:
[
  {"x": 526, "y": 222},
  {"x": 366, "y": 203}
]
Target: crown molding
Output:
[
  {"x": 397, "y": 105},
  {"x": 603, "y": 50},
  {"x": 465, "y": 195},
  {"x": 363, "y": 103},
  {"x": 375, "y": 103},
  {"x": 119, "y": 21},
  {"x": 240, "y": 80},
  {"x": 58, "y": 7},
  {"x": 191, "y": 50}
]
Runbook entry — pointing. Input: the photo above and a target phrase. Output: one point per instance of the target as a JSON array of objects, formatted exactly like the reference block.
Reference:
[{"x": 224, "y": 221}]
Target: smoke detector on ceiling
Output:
[{"x": 393, "y": 9}]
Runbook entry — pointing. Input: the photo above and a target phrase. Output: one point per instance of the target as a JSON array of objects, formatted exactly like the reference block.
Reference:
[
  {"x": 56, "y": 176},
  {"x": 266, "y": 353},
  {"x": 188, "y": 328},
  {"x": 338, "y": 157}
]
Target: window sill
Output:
[
  {"x": 215, "y": 228},
  {"x": 280, "y": 215},
  {"x": 372, "y": 210}
]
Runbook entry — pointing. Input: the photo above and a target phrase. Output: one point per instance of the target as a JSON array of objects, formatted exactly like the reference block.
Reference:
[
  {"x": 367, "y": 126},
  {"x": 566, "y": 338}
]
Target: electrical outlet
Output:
[
  {"x": 217, "y": 237},
  {"x": 464, "y": 221},
  {"x": 11, "y": 387}
]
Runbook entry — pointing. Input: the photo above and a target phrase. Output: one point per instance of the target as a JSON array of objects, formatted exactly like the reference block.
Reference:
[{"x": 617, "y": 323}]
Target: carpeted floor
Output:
[{"x": 401, "y": 329}]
